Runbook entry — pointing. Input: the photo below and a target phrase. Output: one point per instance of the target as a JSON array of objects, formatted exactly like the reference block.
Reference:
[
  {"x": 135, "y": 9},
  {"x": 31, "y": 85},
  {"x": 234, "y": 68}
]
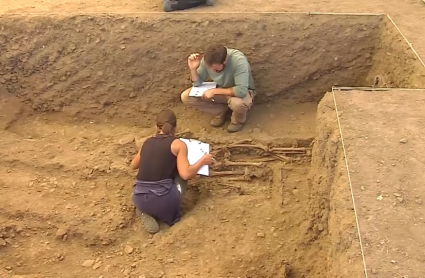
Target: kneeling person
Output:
[
  {"x": 230, "y": 70},
  {"x": 163, "y": 170}
]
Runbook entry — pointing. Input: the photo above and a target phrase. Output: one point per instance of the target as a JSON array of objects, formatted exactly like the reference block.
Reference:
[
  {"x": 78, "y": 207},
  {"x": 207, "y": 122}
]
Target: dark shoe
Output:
[
  {"x": 170, "y": 5},
  {"x": 209, "y": 2},
  {"x": 234, "y": 127},
  {"x": 148, "y": 222},
  {"x": 218, "y": 121}
]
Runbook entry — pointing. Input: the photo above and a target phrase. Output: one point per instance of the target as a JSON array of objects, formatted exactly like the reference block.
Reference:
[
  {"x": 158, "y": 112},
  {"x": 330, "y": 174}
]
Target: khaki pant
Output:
[{"x": 220, "y": 105}]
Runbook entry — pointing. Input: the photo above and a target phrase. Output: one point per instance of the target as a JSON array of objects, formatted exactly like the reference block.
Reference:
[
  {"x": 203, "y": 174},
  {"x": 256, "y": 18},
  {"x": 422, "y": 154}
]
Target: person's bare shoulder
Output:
[{"x": 177, "y": 145}]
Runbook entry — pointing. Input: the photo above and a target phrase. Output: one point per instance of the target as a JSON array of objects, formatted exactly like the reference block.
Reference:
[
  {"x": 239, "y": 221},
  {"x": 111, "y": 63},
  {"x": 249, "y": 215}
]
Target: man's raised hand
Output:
[{"x": 193, "y": 61}]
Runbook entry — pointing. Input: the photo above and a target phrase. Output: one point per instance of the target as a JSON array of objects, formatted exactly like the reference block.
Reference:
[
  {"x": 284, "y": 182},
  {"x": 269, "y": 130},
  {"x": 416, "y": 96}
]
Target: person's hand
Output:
[
  {"x": 208, "y": 94},
  {"x": 193, "y": 61},
  {"x": 207, "y": 159}
]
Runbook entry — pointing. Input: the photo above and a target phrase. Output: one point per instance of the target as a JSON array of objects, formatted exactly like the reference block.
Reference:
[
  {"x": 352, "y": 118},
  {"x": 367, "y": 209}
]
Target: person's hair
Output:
[
  {"x": 166, "y": 122},
  {"x": 215, "y": 54}
]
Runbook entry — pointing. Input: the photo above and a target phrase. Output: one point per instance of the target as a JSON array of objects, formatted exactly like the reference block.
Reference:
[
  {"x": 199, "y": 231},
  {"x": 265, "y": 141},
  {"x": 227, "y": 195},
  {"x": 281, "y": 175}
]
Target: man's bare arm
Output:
[{"x": 230, "y": 92}]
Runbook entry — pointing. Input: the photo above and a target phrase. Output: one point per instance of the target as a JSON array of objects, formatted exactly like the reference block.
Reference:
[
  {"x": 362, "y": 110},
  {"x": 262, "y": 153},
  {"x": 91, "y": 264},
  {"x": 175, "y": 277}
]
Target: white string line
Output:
[
  {"x": 410, "y": 45},
  {"x": 185, "y": 13},
  {"x": 375, "y": 89},
  {"x": 349, "y": 182},
  {"x": 342, "y": 138}
]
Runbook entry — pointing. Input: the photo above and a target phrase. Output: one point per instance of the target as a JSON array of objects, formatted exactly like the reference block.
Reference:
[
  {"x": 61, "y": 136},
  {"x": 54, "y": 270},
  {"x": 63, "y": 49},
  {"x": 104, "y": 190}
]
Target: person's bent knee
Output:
[
  {"x": 237, "y": 105},
  {"x": 185, "y": 96}
]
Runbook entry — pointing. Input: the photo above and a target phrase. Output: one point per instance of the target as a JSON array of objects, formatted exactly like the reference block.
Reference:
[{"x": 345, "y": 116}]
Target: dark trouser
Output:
[
  {"x": 165, "y": 208},
  {"x": 221, "y": 104},
  {"x": 187, "y": 4}
]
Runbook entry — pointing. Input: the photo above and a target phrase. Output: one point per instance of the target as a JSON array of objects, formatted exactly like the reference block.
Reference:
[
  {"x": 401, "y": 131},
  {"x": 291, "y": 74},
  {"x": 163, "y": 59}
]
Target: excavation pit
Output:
[{"x": 76, "y": 91}]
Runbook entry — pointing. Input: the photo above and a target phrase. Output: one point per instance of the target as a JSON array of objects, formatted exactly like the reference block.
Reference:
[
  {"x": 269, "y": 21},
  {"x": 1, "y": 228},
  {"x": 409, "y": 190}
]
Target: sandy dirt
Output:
[
  {"x": 106, "y": 69},
  {"x": 387, "y": 185},
  {"x": 77, "y": 94},
  {"x": 329, "y": 192},
  {"x": 76, "y": 208},
  {"x": 69, "y": 133},
  {"x": 409, "y": 14}
]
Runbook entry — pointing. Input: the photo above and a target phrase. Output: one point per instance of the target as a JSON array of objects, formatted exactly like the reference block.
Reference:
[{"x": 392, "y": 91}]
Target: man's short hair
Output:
[{"x": 215, "y": 54}]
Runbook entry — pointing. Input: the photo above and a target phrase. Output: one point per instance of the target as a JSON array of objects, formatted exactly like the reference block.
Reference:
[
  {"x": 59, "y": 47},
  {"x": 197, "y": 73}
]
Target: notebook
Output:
[
  {"x": 195, "y": 150},
  {"x": 199, "y": 90}
]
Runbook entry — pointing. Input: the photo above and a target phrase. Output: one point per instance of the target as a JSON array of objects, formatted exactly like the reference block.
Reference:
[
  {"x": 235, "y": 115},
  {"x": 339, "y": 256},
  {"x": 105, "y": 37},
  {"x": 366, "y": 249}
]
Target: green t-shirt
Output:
[{"x": 236, "y": 73}]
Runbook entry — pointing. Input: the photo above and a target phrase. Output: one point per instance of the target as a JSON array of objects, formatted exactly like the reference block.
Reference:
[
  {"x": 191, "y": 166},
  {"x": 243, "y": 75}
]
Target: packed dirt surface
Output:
[
  {"x": 71, "y": 110},
  {"x": 409, "y": 14},
  {"x": 74, "y": 111},
  {"x": 385, "y": 158},
  {"x": 79, "y": 92},
  {"x": 66, "y": 209}
]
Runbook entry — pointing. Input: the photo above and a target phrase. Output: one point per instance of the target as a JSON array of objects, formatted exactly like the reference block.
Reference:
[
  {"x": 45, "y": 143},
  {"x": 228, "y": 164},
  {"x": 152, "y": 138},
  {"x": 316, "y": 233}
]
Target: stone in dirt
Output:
[
  {"x": 403, "y": 141},
  {"x": 261, "y": 235},
  {"x": 126, "y": 140},
  {"x": 419, "y": 202},
  {"x": 286, "y": 271},
  {"x": 128, "y": 249},
  {"x": 88, "y": 263},
  {"x": 2, "y": 242},
  {"x": 61, "y": 232},
  {"x": 97, "y": 265}
]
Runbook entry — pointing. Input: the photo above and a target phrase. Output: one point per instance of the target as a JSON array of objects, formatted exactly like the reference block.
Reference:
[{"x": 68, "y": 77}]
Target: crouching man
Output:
[{"x": 235, "y": 92}]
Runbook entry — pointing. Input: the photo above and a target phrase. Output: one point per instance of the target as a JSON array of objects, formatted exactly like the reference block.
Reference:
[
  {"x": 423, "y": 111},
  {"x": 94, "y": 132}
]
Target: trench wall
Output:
[
  {"x": 119, "y": 67},
  {"x": 394, "y": 62},
  {"x": 330, "y": 202}
]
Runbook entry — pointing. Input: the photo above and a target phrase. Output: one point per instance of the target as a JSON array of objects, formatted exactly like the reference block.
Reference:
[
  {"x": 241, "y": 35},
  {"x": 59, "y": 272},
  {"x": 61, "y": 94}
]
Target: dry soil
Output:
[{"x": 75, "y": 101}]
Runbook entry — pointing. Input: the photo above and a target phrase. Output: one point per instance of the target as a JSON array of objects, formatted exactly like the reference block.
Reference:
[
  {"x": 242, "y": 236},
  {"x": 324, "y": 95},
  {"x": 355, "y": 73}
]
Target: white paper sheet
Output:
[
  {"x": 199, "y": 91},
  {"x": 195, "y": 150}
]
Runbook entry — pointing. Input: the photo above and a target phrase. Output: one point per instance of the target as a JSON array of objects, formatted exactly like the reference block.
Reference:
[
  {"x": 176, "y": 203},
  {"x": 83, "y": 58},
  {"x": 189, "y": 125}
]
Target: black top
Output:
[{"x": 157, "y": 162}]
